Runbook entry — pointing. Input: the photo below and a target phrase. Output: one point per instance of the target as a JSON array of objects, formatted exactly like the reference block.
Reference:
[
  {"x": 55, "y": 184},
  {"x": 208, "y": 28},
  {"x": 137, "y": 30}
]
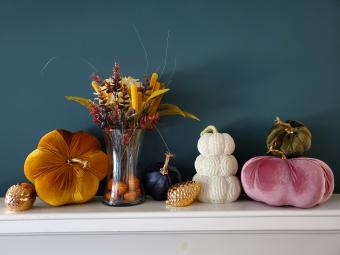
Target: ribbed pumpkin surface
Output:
[{"x": 66, "y": 167}]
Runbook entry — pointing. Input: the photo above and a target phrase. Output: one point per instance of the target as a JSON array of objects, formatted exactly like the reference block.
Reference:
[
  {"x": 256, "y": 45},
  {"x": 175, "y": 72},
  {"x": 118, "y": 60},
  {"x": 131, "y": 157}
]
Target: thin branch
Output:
[
  {"x": 166, "y": 53},
  {"x": 90, "y": 64},
  {"x": 173, "y": 72},
  {"x": 166, "y": 145},
  {"x": 46, "y": 64},
  {"x": 144, "y": 49}
]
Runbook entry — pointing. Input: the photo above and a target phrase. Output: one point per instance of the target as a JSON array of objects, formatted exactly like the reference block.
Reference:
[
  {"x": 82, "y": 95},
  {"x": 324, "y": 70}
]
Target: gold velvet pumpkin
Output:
[{"x": 66, "y": 167}]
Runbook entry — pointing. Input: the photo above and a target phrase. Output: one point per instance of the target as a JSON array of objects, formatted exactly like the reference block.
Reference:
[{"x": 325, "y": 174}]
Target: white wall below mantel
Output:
[{"x": 170, "y": 244}]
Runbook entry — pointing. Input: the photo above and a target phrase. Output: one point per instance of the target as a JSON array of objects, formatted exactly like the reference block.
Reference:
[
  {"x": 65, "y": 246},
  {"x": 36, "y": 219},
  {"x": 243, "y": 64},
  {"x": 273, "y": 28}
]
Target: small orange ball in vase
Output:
[
  {"x": 117, "y": 187},
  {"x": 120, "y": 188},
  {"x": 130, "y": 196},
  {"x": 109, "y": 184},
  {"x": 134, "y": 183},
  {"x": 108, "y": 195}
]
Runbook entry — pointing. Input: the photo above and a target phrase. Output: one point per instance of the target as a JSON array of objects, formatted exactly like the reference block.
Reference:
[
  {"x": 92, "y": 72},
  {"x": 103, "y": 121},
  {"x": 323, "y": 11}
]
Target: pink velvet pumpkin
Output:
[{"x": 300, "y": 182}]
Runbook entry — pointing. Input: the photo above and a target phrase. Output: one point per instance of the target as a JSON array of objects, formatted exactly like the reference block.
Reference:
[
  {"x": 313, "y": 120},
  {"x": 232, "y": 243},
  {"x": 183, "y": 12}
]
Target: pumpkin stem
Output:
[
  {"x": 209, "y": 129},
  {"x": 288, "y": 128},
  {"x": 168, "y": 156},
  {"x": 84, "y": 163},
  {"x": 271, "y": 149}
]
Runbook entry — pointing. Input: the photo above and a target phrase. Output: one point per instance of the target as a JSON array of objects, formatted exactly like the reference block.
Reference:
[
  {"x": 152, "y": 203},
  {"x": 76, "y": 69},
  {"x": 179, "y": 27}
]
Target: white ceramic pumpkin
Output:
[
  {"x": 212, "y": 143},
  {"x": 221, "y": 165},
  {"x": 218, "y": 189}
]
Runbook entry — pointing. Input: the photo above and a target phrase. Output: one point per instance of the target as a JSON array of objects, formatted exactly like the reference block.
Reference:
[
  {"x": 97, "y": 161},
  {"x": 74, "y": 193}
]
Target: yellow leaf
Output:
[
  {"x": 134, "y": 97},
  {"x": 154, "y": 105},
  {"x": 140, "y": 100},
  {"x": 96, "y": 86},
  {"x": 156, "y": 87},
  {"x": 157, "y": 93},
  {"x": 153, "y": 79},
  {"x": 80, "y": 100}
]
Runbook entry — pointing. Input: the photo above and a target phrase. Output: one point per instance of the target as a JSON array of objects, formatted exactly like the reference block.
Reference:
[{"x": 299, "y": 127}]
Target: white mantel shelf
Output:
[
  {"x": 152, "y": 216},
  {"x": 241, "y": 228}
]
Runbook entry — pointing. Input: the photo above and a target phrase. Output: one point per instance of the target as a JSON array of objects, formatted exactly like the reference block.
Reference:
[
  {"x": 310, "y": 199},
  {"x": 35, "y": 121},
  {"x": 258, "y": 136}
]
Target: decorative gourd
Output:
[
  {"x": 20, "y": 197},
  {"x": 291, "y": 138},
  {"x": 218, "y": 189},
  {"x": 212, "y": 143},
  {"x": 300, "y": 182},
  {"x": 221, "y": 165},
  {"x": 159, "y": 177},
  {"x": 66, "y": 167},
  {"x": 216, "y": 167}
]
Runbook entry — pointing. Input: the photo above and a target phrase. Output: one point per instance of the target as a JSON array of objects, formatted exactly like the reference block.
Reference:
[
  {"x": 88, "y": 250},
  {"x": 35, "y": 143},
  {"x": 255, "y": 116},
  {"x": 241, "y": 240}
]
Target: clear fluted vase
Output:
[{"x": 123, "y": 183}]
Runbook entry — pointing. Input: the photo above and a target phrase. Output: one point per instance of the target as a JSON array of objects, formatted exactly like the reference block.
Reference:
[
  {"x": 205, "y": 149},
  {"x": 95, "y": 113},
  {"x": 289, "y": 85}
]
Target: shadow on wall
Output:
[
  {"x": 249, "y": 136},
  {"x": 325, "y": 127}
]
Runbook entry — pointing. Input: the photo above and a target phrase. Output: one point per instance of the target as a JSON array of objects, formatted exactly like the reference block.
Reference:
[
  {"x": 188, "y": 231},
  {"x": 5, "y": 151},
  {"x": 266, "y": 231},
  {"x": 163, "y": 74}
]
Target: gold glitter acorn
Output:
[
  {"x": 183, "y": 193},
  {"x": 20, "y": 197}
]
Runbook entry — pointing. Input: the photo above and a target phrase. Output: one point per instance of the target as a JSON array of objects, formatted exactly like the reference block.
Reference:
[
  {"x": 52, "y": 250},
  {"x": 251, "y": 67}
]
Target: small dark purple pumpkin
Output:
[{"x": 159, "y": 177}]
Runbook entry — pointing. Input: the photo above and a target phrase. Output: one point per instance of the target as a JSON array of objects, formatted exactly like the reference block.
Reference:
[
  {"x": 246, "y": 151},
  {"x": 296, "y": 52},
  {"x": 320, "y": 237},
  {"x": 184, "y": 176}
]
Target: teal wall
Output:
[{"x": 239, "y": 64}]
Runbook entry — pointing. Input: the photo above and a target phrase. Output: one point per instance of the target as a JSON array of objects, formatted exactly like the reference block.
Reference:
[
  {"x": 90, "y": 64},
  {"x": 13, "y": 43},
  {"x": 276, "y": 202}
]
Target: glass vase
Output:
[{"x": 123, "y": 183}]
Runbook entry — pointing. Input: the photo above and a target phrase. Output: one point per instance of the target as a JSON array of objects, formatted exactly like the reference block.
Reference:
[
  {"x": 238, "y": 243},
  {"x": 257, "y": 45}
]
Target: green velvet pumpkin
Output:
[{"x": 289, "y": 138}]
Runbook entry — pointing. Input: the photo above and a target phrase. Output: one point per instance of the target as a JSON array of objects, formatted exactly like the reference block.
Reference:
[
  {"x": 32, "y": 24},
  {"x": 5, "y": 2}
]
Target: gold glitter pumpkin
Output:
[
  {"x": 183, "y": 193},
  {"x": 20, "y": 197}
]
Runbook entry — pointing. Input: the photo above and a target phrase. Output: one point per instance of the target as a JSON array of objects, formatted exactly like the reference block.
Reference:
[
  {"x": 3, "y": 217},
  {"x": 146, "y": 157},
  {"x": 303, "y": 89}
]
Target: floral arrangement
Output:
[{"x": 127, "y": 103}]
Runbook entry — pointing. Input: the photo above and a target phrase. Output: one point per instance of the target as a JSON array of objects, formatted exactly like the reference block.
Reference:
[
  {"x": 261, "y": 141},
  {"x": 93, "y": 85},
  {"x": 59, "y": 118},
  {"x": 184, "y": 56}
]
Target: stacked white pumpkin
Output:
[{"x": 216, "y": 167}]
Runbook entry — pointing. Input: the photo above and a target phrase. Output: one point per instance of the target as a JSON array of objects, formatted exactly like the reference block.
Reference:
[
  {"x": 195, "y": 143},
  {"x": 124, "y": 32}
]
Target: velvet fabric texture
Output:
[
  {"x": 300, "y": 182},
  {"x": 66, "y": 167}
]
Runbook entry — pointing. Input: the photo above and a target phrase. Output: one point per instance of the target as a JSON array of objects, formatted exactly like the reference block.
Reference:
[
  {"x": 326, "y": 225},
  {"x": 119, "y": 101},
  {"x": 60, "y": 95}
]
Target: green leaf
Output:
[
  {"x": 171, "y": 109},
  {"x": 80, "y": 100},
  {"x": 191, "y": 116},
  {"x": 169, "y": 112},
  {"x": 157, "y": 93},
  {"x": 167, "y": 106}
]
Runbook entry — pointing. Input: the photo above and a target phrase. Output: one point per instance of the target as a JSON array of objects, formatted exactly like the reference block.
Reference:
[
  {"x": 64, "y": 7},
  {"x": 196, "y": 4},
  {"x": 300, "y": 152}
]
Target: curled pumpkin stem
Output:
[
  {"x": 164, "y": 169},
  {"x": 271, "y": 149},
  {"x": 209, "y": 129},
  {"x": 288, "y": 128},
  {"x": 83, "y": 163}
]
